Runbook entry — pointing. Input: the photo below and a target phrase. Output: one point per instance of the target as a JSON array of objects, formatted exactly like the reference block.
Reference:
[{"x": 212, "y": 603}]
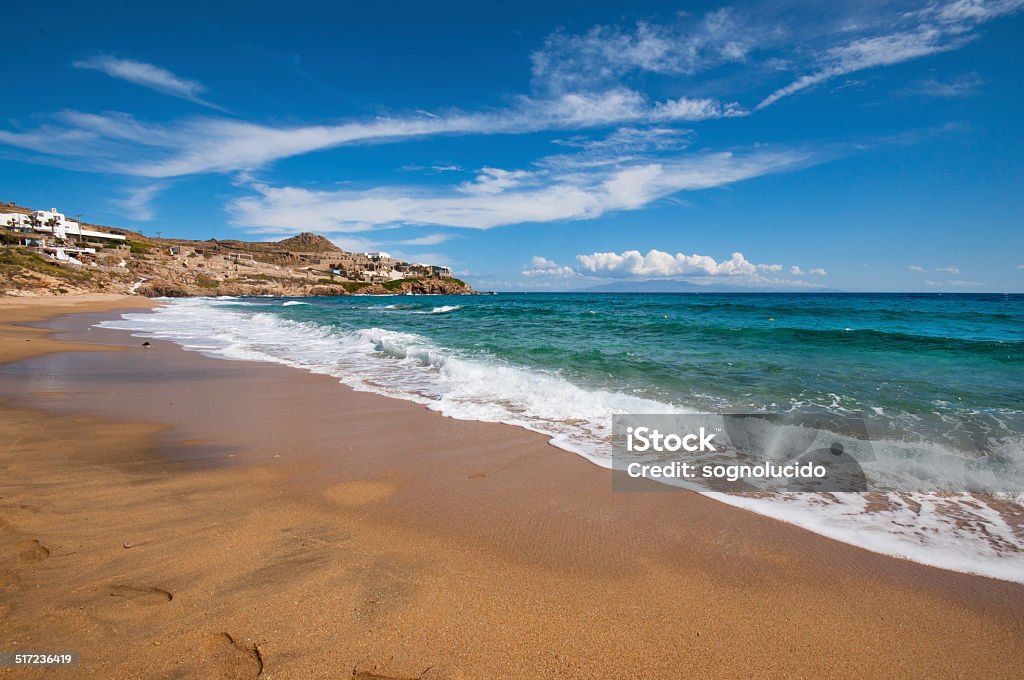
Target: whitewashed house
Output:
[{"x": 52, "y": 222}]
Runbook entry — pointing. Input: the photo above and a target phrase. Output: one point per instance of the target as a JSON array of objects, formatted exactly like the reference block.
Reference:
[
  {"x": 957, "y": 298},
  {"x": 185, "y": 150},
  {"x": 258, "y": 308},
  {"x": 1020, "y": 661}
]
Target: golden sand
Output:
[{"x": 201, "y": 518}]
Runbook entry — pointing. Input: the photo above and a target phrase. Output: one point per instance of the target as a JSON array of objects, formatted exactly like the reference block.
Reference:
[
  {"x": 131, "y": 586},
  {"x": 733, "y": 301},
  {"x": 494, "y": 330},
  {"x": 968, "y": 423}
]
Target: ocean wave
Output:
[
  {"x": 444, "y": 309},
  {"x": 293, "y": 303},
  {"x": 944, "y": 528},
  {"x": 404, "y": 365}
]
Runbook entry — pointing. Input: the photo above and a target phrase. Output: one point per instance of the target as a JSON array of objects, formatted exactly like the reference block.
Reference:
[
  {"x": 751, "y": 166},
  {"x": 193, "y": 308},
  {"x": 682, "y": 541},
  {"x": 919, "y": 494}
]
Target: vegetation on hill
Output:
[
  {"x": 308, "y": 243},
  {"x": 159, "y": 267},
  {"x": 23, "y": 271}
]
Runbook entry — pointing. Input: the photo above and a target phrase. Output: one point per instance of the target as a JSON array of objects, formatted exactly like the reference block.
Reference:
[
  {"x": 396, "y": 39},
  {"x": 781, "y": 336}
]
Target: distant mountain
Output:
[{"x": 673, "y": 286}]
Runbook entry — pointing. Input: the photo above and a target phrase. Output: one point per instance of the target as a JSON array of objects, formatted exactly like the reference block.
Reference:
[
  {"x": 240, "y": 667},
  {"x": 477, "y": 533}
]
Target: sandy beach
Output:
[{"x": 169, "y": 515}]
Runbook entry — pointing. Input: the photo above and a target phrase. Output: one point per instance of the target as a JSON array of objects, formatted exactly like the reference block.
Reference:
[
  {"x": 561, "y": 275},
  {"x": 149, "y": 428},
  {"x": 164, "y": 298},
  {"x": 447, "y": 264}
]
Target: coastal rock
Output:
[
  {"x": 158, "y": 289},
  {"x": 326, "y": 291}
]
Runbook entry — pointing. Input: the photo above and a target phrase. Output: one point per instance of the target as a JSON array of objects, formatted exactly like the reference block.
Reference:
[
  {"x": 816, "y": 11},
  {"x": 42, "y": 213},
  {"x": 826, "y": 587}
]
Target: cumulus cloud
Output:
[
  {"x": 796, "y": 271},
  {"x": 658, "y": 263},
  {"x": 818, "y": 271},
  {"x": 147, "y": 75},
  {"x": 541, "y": 266}
]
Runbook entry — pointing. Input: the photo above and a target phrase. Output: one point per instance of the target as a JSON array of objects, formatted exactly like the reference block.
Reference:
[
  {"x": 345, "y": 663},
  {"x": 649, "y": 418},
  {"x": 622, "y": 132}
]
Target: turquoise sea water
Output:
[
  {"x": 950, "y": 365},
  {"x": 939, "y": 379}
]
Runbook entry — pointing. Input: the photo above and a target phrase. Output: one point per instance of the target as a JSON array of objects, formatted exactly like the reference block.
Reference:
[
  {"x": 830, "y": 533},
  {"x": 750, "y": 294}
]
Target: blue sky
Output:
[{"x": 855, "y": 146}]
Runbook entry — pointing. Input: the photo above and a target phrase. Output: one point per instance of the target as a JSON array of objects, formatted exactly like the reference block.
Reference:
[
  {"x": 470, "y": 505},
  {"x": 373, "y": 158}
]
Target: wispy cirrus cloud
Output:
[
  {"x": 540, "y": 195},
  {"x": 148, "y": 75},
  {"x": 204, "y": 145},
  {"x": 960, "y": 86},
  {"x": 138, "y": 202},
  {"x": 763, "y": 38},
  {"x": 428, "y": 240},
  {"x": 931, "y": 29},
  {"x": 592, "y": 80},
  {"x": 603, "y": 55}
]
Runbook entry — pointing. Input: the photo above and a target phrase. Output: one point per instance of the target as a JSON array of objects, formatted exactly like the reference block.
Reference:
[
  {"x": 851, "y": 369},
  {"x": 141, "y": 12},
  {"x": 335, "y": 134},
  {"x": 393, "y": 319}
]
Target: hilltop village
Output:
[{"x": 43, "y": 252}]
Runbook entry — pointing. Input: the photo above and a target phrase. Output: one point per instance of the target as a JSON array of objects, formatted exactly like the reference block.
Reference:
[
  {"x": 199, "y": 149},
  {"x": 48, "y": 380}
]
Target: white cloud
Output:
[
  {"x": 951, "y": 269},
  {"x": 605, "y": 54},
  {"x": 1020, "y": 266},
  {"x": 796, "y": 271},
  {"x": 961, "y": 86},
  {"x": 428, "y": 240},
  {"x": 147, "y": 75},
  {"x": 658, "y": 263},
  {"x": 549, "y": 196},
  {"x": 492, "y": 181},
  {"x": 628, "y": 140},
  {"x": 202, "y": 145},
  {"x": 694, "y": 110},
  {"x": 137, "y": 202},
  {"x": 541, "y": 266},
  {"x": 913, "y": 34},
  {"x": 818, "y": 271},
  {"x": 955, "y": 283},
  {"x": 867, "y": 53},
  {"x": 916, "y": 268},
  {"x": 580, "y": 83}
]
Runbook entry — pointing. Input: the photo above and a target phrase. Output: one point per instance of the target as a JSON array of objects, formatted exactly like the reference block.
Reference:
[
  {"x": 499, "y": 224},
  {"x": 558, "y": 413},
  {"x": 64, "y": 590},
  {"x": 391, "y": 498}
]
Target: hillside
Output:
[
  {"x": 308, "y": 242},
  {"x": 96, "y": 258}
]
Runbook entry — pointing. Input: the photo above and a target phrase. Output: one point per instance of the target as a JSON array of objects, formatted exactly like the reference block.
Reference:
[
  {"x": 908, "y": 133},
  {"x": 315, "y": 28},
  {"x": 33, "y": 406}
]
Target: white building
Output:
[
  {"x": 378, "y": 255},
  {"x": 55, "y": 223}
]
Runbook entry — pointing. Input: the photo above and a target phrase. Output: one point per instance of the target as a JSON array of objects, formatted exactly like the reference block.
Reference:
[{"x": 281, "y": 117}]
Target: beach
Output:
[{"x": 167, "y": 514}]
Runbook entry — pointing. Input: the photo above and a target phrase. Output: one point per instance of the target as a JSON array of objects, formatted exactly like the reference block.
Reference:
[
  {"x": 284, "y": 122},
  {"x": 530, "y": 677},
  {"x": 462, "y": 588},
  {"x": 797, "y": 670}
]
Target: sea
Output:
[{"x": 937, "y": 380}]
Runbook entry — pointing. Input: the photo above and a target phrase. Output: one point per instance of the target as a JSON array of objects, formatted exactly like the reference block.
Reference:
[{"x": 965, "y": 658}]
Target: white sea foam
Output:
[
  {"x": 403, "y": 365},
  {"x": 945, "y": 529},
  {"x": 293, "y": 303},
  {"x": 444, "y": 309}
]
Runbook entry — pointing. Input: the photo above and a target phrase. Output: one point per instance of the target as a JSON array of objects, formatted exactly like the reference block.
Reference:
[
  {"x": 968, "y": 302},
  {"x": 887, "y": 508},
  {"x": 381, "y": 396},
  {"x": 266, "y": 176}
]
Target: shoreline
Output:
[{"x": 248, "y": 491}]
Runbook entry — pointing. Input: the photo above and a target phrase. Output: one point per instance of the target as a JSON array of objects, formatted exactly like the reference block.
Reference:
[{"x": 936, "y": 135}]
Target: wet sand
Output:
[{"x": 170, "y": 515}]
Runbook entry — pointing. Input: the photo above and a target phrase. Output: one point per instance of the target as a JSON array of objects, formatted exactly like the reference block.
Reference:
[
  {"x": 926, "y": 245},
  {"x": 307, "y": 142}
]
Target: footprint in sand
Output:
[
  {"x": 32, "y": 551},
  {"x": 231, "y": 658},
  {"x": 374, "y": 672},
  {"x": 143, "y": 595}
]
